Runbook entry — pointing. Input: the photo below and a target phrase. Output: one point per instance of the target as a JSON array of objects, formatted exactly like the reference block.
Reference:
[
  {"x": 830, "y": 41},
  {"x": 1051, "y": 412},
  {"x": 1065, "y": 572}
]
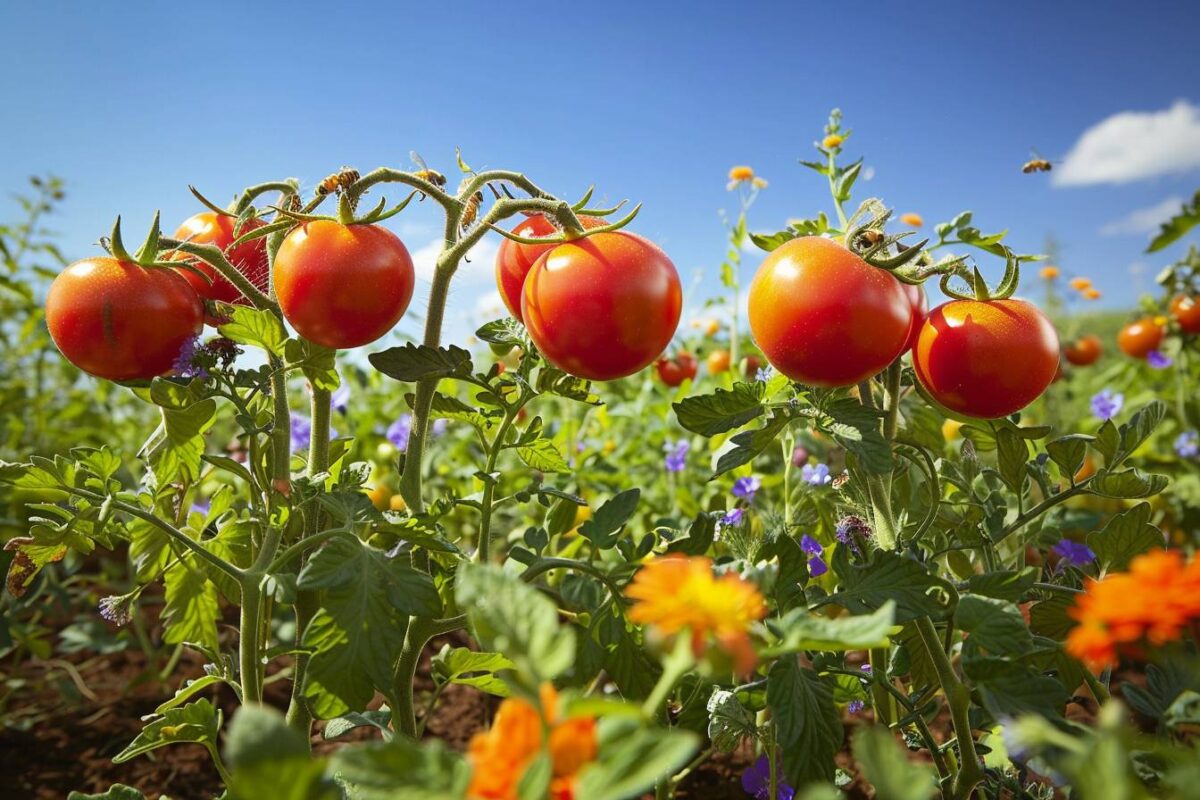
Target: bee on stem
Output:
[
  {"x": 341, "y": 180},
  {"x": 471, "y": 210}
]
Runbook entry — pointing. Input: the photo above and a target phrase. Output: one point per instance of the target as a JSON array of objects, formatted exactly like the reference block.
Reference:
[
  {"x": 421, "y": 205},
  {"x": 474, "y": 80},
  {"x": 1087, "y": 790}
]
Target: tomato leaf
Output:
[
  {"x": 255, "y": 327},
  {"x": 541, "y": 454},
  {"x": 316, "y": 362},
  {"x": 886, "y": 765},
  {"x": 1127, "y": 483},
  {"x": 468, "y": 667},
  {"x": 1069, "y": 451},
  {"x": 632, "y": 758},
  {"x": 807, "y": 722},
  {"x": 995, "y": 627},
  {"x": 196, "y": 722},
  {"x": 1126, "y": 535},
  {"x": 1174, "y": 228},
  {"x": 729, "y": 722},
  {"x": 721, "y": 411},
  {"x": 118, "y": 791},
  {"x": 269, "y": 759},
  {"x": 889, "y": 577},
  {"x": 743, "y": 447},
  {"x": 192, "y": 608},
  {"x": 856, "y": 428},
  {"x": 412, "y": 362},
  {"x": 801, "y": 630},
  {"x": 604, "y": 527}
]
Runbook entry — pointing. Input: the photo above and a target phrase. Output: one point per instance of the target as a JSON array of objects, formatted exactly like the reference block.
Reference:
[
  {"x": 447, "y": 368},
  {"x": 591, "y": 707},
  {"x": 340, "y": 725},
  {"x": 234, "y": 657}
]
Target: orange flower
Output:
[
  {"x": 1080, "y": 284},
  {"x": 1050, "y": 272},
  {"x": 500, "y": 756},
  {"x": 1091, "y": 294},
  {"x": 1154, "y": 602},
  {"x": 832, "y": 140},
  {"x": 913, "y": 219},
  {"x": 743, "y": 174},
  {"x": 676, "y": 592}
]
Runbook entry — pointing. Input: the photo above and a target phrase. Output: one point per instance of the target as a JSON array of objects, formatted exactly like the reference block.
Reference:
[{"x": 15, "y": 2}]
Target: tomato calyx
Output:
[{"x": 566, "y": 218}]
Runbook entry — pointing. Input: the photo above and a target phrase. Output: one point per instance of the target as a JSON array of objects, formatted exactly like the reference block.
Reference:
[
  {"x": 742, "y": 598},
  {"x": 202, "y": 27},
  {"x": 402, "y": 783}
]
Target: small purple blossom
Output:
[
  {"x": 817, "y": 566},
  {"x": 850, "y": 527},
  {"x": 1106, "y": 404},
  {"x": 815, "y": 474},
  {"x": 398, "y": 431},
  {"x": 810, "y": 545},
  {"x": 301, "y": 431},
  {"x": 438, "y": 426},
  {"x": 1187, "y": 444},
  {"x": 676, "y": 458},
  {"x": 746, "y": 488},
  {"x": 733, "y": 517},
  {"x": 117, "y": 609},
  {"x": 799, "y": 456},
  {"x": 339, "y": 401},
  {"x": 185, "y": 365},
  {"x": 1076, "y": 553},
  {"x": 1158, "y": 360},
  {"x": 756, "y": 781},
  {"x": 202, "y": 506},
  {"x": 763, "y": 375},
  {"x": 855, "y": 706},
  {"x": 866, "y": 668}
]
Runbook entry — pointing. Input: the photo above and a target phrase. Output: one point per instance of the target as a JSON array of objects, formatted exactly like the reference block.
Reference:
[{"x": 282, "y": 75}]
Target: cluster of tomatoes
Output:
[
  {"x": 825, "y": 317},
  {"x": 338, "y": 285},
  {"x": 1139, "y": 338}
]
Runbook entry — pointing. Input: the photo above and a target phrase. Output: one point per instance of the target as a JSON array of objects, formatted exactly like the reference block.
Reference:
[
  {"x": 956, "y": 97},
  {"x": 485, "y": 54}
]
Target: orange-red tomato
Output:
[
  {"x": 718, "y": 362},
  {"x": 121, "y": 321},
  {"x": 918, "y": 306},
  {"x": 514, "y": 260},
  {"x": 1138, "y": 338},
  {"x": 1186, "y": 311},
  {"x": 342, "y": 285},
  {"x": 250, "y": 258},
  {"x": 1084, "y": 351},
  {"x": 825, "y": 317},
  {"x": 602, "y": 307},
  {"x": 674, "y": 371},
  {"x": 986, "y": 358}
]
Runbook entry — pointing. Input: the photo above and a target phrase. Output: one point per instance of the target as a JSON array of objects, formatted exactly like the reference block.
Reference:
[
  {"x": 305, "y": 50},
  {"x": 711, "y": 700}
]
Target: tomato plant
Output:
[
  {"x": 250, "y": 258},
  {"x": 676, "y": 369}
]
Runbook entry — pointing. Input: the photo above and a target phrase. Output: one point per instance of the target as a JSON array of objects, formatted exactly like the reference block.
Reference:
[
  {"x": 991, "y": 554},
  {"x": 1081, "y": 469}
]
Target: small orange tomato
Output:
[
  {"x": 718, "y": 362},
  {"x": 1186, "y": 311},
  {"x": 1138, "y": 338},
  {"x": 1084, "y": 351}
]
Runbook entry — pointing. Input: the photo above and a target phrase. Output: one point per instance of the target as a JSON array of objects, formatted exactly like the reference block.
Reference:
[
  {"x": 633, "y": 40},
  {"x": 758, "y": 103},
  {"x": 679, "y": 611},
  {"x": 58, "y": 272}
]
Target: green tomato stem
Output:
[{"x": 958, "y": 697}]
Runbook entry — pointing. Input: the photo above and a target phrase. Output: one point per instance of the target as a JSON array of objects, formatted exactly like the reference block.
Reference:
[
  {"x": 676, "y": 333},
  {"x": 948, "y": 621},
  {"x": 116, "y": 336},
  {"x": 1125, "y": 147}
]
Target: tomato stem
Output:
[{"x": 958, "y": 697}]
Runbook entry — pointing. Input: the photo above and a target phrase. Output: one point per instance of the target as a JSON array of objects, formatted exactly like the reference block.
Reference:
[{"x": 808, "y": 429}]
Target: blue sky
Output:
[{"x": 131, "y": 102}]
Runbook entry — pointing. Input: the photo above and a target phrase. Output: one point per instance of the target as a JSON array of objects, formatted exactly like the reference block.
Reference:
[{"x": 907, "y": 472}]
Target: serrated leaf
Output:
[
  {"x": 886, "y": 765},
  {"x": 996, "y": 627},
  {"x": 542, "y": 455},
  {"x": 1139, "y": 427},
  {"x": 729, "y": 722},
  {"x": 255, "y": 328},
  {"x": 196, "y": 722},
  {"x": 721, "y": 411},
  {"x": 319, "y": 364},
  {"x": 888, "y": 577},
  {"x": 807, "y": 722},
  {"x": 1011, "y": 689},
  {"x": 1008, "y": 585},
  {"x": 604, "y": 527},
  {"x": 857, "y": 428},
  {"x": 1125, "y": 536},
  {"x": 412, "y": 362},
  {"x": 192, "y": 608},
  {"x": 1130, "y": 483},
  {"x": 472, "y": 668},
  {"x": 801, "y": 630},
  {"x": 1177, "y": 226},
  {"x": 632, "y": 758},
  {"x": 506, "y": 331}
]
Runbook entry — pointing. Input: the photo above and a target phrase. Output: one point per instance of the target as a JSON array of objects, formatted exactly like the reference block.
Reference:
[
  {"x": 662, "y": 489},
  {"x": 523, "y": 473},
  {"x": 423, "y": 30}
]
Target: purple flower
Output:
[
  {"x": 866, "y": 668},
  {"x": 756, "y": 781},
  {"x": 184, "y": 362},
  {"x": 340, "y": 399},
  {"x": 118, "y": 609},
  {"x": 746, "y": 488},
  {"x": 398, "y": 431},
  {"x": 763, "y": 375},
  {"x": 301, "y": 432},
  {"x": 817, "y": 566},
  {"x": 810, "y": 545},
  {"x": 677, "y": 453},
  {"x": 1076, "y": 553},
  {"x": 850, "y": 527},
  {"x": 733, "y": 516},
  {"x": 1106, "y": 404},
  {"x": 855, "y": 706},
  {"x": 799, "y": 456},
  {"x": 1158, "y": 360},
  {"x": 1187, "y": 444},
  {"x": 817, "y": 475},
  {"x": 202, "y": 506},
  {"x": 439, "y": 426}
]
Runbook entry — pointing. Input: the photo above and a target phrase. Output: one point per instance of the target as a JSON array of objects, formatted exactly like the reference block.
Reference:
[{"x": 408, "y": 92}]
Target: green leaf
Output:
[
  {"x": 807, "y": 722},
  {"x": 721, "y": 411},
  {"x": 1143, "y": 423},
  {"x": 1128, "y": 483},
  {"x": 412, "y": 362},
  {"x": 1011, "y": 454},
  {"x": 890, "y": 577},
  {"x": 535, "y": 780},
  {"x": 542, "y": 455},
  {"x": 260, "y": 734},
  {"x": 749, "y": 444},
  {"x": 255, "y": 328},
  {"x": 1008, "y": 585},
  {"x": 632, "y": 758},
  {"x": 29, "y": 558},
  {"x": 1069, "y": 451},
  {"x": 801, "y": 630},
  {"x": 604, "y": 527},
  {"x": 446, "y": 407},
  {"x": 196, "y": 722},
  {"x": 357, "y": 634},
  {"x": 319, "y": 364},
  {"x": 471, "y": 668},
  {"x": 188, "y": 690},
  {"x": 1126, "y": 535},
  {"x": 1175, "y": 228},
  {"x": 996, "y": 627},
  {"x": 857, "y": 428},
  {"x": 773, "y": 241},
  {"x": 270, "y": 759},
  {"x": 175, "y": 448},
  {"x": 511, "y": 617},
  {"x": 402, "y": 770},
  {"x": 729, "y": 722},
  {"x": 886, "y": 765},
  {"x": 340, "y": 726},
  {"x": 504, "y": 332},
  {"x": 1010, "y": 689},
  {"x": 192, "y": 608}
]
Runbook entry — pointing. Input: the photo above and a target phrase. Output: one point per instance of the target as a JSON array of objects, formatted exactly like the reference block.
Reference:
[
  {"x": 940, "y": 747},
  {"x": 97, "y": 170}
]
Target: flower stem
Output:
[
  {"x": 489, "y": 489},
  {"x": 250, "y": 627},
  {"x": 958, "y": 697}
]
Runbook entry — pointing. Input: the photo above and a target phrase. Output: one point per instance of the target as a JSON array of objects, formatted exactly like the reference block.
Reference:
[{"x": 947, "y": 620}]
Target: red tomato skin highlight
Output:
[
  {"x": 343, "y": 286},
  {"x": 919, "y": 308},
  {"x": 250, "y": 258},
  {"x": 823, "y": 316},
  {"x": 121, "y": 321},
  {"x": 986, "y": 359},
  {"x": 514, "y": 259},
  {"x": 602, "y": 307}
]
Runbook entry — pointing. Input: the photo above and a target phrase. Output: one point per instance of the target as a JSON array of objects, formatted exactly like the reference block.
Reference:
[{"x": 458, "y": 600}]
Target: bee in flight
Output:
[
  {"x": 338, "y": 181},
  {"x": 425, "y": 173},
  {"x": 1036, "y": 164}
]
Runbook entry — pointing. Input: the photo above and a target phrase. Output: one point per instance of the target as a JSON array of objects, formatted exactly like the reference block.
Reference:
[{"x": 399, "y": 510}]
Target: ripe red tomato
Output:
[
  {"x": 1138, "y": 338},
  {"x": 825, "y": 317},
  {"x": 718, "y": 362},
  {"x": 1084, "y": 351},
  {"x": 1186, "y": 311},
  {"x": 121, "y": 321},
  {"x": 675, "y": 371},
  {"x": 250, "y": 258},
  {"x": 514, "y": 260},
  {"x": 918, "y": 306},
  {"x": 602, "y": 307},
  {"x": 343, "y": 285},
  {"x": 986, "y": 358}
]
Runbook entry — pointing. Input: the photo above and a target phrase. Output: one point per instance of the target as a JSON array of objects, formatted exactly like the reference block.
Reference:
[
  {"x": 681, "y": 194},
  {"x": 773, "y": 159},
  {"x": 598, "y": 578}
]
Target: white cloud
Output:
[
  {"x": 1143, "y": 220},
  {"x": 1134, "y": 145},
  {"x": 479, "y": 265}
]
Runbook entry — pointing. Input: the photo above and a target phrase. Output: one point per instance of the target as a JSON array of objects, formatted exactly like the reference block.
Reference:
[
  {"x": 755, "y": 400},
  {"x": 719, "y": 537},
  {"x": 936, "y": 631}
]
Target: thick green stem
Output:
[
  {"x": 249, "y": 646},
  {"x": 885, "y": 704},
  {"x": 891, "y": 403},
  {"x": 420, "y": 631},
  {"x": 281, "y": 430},
  {"x": 489, "y": 490},
  {"x": 958, "y": 697}
]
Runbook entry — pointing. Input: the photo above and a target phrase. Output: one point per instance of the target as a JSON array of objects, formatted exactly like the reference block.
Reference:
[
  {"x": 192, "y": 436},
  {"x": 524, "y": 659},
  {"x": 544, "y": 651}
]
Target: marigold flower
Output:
[
  {"x": 675, "y": 592},
  {"x": 913, "y": 219},
  {"x": 1050, "y": 272},
  {"x": 1152, "y": 603},
  {"x": 1080, "y": 284},
  {"x": 1091, "y": 294},
  {"x": 740, "y": 175},
  {"x": 500, "y": 756},
  {"x": 832, "y": 140}
]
